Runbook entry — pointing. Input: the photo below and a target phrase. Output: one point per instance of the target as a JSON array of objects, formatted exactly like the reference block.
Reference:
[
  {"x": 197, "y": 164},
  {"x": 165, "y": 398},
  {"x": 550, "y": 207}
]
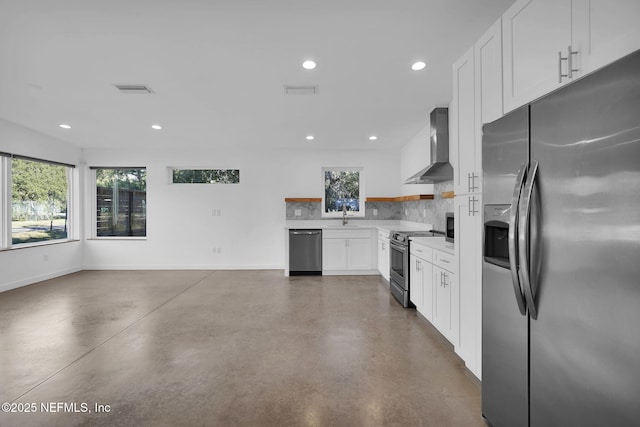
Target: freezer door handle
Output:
[
  {"x": 523, "y": 240},
  {"x": 513, "y": 242}
]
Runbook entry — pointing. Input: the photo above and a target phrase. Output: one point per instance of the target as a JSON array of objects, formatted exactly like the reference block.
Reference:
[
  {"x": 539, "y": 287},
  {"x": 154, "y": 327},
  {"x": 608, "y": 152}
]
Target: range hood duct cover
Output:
[{"x": 439, "y": 170}]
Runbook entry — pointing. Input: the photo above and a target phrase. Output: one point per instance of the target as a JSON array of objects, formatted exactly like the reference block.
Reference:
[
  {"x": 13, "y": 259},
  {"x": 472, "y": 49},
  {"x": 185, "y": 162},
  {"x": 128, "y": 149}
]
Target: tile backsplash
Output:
[
  {"x": 408, "y": 211},
  {"x": 435, "y": 209}
]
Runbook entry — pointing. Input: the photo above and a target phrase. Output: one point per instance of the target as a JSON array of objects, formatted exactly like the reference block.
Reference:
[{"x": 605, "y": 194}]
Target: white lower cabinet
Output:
[
  {"x": 468, "y": 226},
  {"x": 348, "y": 250},
  {"x": 420, "y": 280},
  {"x": 359, "y": 254},
  {"x": 383, "y": 254},
  {"x": 434, "y": 289},
  {"x": 446, "y": 310},
  {"x": 334, "y": 254}
]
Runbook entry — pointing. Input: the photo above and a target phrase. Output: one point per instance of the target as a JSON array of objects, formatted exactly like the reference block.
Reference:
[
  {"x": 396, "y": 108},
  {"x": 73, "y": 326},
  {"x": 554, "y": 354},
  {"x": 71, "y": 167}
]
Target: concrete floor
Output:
[{"x": 226, "y": 348}]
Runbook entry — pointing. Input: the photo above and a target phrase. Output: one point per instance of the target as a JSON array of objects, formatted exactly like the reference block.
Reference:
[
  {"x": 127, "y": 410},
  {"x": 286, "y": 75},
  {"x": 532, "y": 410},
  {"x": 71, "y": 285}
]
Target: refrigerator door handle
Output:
[
  {"x": 513, "y": 242},
  {"x": 523, "y": 240}
]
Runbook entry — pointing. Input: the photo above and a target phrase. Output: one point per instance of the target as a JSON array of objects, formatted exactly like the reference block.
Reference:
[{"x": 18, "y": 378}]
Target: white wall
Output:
[
  {"x": 181, "y": 230},
  {"x": 28, "y": 265},
  {"x": 414, "y": 156}
]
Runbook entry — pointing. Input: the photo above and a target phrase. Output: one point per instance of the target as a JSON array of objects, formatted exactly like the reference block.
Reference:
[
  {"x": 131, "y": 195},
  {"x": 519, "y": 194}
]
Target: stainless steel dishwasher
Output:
[{"x": 305, "y": 252}]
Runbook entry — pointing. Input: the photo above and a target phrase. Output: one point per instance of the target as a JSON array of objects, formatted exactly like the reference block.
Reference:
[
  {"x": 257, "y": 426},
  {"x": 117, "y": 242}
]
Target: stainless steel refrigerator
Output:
[{"x": 561, "y": 267}]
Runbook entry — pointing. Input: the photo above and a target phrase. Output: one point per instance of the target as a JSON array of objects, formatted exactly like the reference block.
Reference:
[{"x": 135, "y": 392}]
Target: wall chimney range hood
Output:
[{"x": 439, "y": 170}]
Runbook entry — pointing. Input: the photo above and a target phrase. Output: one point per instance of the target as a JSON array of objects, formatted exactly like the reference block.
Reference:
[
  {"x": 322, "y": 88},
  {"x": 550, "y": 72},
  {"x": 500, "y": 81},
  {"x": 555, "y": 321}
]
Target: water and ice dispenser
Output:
[{"x": 496, "y": 234}]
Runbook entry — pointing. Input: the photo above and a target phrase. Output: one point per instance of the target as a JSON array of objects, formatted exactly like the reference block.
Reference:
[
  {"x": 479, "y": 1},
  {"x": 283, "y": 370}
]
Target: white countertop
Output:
[
  {"x": 438, "y": 243},
  {"x": 383, "y": 225}
]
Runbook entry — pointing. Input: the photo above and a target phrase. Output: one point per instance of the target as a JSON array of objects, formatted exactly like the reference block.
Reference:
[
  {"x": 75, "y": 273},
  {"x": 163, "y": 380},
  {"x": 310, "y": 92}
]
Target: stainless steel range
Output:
[{"x": 399, "y": 263}]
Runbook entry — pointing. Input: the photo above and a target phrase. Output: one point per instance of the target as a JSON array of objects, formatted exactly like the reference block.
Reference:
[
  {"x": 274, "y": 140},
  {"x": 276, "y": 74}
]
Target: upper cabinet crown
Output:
[{"x": 549, "y": 43}]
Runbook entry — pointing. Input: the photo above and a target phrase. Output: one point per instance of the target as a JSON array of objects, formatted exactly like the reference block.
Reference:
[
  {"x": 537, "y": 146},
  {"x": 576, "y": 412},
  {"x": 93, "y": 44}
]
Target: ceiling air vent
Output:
[
  {"x": 300, "y": 90},
  {"x": 134, "y": 89}
]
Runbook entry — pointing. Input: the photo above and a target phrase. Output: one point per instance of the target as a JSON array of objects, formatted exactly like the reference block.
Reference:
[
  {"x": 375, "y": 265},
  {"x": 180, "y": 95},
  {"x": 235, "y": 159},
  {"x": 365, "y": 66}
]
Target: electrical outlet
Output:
[
  {"x": 424, "y": 213},
  {"x": 375, "y": 212},
  {"x": 298, "y": 212},
  {"x": 406, "y": 211}
]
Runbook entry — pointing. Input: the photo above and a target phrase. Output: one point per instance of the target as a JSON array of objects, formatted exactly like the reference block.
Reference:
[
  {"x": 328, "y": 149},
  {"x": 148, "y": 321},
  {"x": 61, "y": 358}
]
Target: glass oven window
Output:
[{"x": 397, "y": 261}]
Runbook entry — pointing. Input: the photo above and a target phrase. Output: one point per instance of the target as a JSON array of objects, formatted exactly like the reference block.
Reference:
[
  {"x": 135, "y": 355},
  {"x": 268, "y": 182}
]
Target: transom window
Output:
[{"x": 205, "y": 176}]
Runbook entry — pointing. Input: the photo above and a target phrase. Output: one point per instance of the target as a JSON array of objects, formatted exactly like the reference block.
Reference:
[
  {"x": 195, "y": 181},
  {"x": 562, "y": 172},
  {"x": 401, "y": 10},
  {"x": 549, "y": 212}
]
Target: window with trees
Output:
[
  {"x": 121, "y": 202},
  {"x": 205, "y": 176},
  {"x": 35, "y": 200},
  {"x": 343, "y": 192},
  {"x": 39, "y": 201}
]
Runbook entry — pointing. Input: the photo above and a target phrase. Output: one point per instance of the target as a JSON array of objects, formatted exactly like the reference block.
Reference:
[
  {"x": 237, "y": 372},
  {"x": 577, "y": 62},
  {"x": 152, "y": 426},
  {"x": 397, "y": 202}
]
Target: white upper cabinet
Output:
[
  {"x": 477, "y": 99},
  {"x": 536, "y": 33},
  {"x": 462, "y": 125},
  {"x": 549, "y": 43},
  {"x": 603, "y": 31},
  {"x": 488, "y": 91},
  {"x": 488, "y": 85}
]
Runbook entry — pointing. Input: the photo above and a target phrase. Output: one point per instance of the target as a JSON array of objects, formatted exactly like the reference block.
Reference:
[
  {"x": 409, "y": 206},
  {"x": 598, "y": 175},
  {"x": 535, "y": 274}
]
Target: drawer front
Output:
[
  {"x": 421, "y": 251},
  {"x": 444, "y": 261},
  {"x": 346, "y": 234},
  {"x": 383, "y": 235}
]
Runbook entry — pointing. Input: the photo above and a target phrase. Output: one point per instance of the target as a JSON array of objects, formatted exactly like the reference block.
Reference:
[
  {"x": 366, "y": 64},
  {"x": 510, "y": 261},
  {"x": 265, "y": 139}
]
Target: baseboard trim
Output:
[
  {"x": 35, "y": 279},
  {"x": 180, "y": 267}
]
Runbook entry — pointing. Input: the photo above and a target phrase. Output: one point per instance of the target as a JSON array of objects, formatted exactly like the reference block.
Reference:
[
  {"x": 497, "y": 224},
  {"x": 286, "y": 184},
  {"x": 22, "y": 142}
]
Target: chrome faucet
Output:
[{"x": 344, "y": 215}]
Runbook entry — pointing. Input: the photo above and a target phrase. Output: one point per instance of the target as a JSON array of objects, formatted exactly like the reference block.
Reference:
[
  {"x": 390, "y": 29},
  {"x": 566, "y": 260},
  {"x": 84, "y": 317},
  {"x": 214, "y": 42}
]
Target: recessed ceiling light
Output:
[
  {"x": 417, "y": 66},
  {"x": 156, "y": 127},
  {"x": 64, "y": 126},
  {"x": 310, "y": 137},
  {"x": 373, "y": 138},
  {"x": 309, "y": 64}
]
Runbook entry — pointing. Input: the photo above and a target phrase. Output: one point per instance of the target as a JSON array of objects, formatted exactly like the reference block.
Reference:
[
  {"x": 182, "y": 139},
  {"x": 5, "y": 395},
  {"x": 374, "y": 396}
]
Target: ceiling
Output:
[{"x": 218, "y": 69}]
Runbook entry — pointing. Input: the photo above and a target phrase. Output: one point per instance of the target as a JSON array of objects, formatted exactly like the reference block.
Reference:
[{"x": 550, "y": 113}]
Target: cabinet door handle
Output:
[
  {"x": 570, "y": 69},
  {"x": 469, "y": 181},
  {"x": 474, "y": 187},
  {"x": 560, "y": 59}
]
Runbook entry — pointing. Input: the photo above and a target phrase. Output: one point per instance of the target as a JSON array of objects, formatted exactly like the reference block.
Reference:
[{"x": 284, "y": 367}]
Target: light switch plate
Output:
[{"x": 375, "y": 212}]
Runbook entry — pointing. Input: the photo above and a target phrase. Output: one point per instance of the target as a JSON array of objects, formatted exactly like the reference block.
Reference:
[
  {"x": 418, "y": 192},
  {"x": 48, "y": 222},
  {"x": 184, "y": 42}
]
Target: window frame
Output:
[
  {"x": 361, "y": 193},
  {"x": 172, "y": 169},
  {"x": 6, "y": 200},
  {"x": 93, "y": 185}
]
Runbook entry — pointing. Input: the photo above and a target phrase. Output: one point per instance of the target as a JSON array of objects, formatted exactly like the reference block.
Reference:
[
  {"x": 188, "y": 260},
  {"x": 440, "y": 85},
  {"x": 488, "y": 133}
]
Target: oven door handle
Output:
[{"x": 398, "y": 247}]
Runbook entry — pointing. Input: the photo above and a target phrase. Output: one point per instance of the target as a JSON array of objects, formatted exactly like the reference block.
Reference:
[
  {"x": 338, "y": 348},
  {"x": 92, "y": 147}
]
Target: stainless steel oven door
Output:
[{"x": 399, "y": 265}]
